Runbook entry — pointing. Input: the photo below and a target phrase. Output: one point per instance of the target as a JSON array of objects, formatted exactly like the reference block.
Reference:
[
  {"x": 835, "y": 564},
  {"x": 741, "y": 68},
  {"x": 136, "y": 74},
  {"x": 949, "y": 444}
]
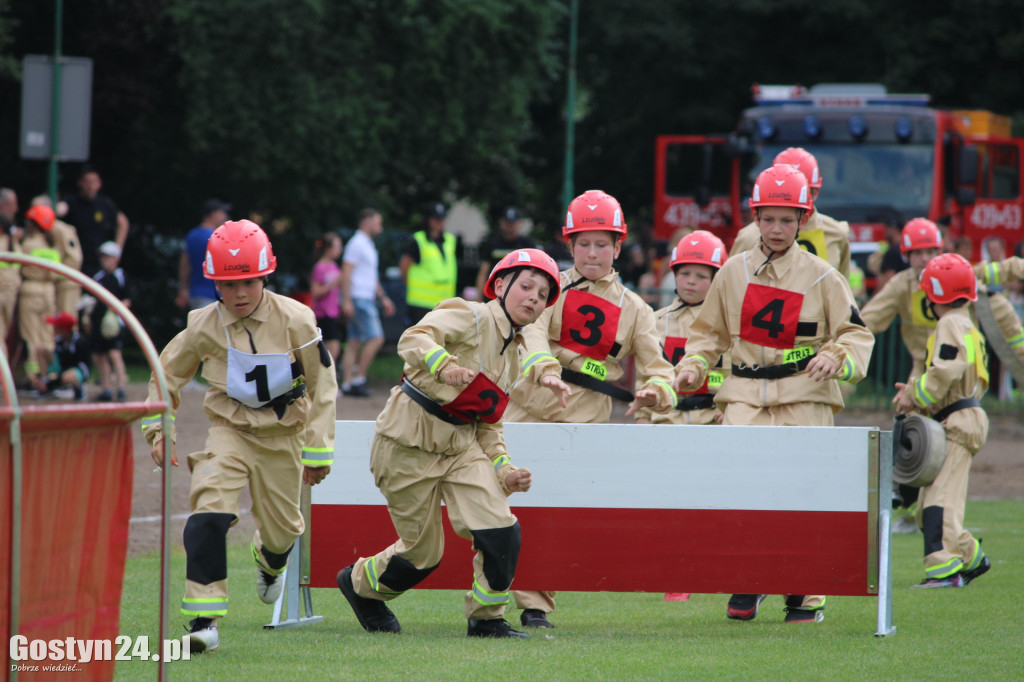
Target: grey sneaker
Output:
[
  {"x": 903, "y": 525},
  {"x": 268, "y": 586}
]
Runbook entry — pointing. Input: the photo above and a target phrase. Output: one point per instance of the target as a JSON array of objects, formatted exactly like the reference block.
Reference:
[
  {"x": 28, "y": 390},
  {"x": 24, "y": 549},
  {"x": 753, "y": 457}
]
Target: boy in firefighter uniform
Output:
[
  {"x": 37, "y": 296},
  {"x": 271, "y": 402},
  {"x": 595, "y": 325},
  {"x": 440, "y": 439},
  {"x": 694, "y": 261},
  {"x": 949, "y": 391},
  {"x": 821, "y": 235},
  {"x": 920, "y": 242},
  {"x": 792, "y": 329}
]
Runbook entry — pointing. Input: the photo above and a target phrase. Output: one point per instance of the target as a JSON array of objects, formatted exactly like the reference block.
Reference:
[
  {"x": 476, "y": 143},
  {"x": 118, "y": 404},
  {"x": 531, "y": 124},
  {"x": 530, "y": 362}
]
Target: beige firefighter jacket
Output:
[
  {"x": 957, "y": 368},
  {"x": 820, "y": 229},
  {"x": 467, "y": 334},
  {"x": 544, "y": 356},
  {"x": 829, "y": 325},
  {"x": 675, "y": 320},
  {"x": 278, "y": 325}
]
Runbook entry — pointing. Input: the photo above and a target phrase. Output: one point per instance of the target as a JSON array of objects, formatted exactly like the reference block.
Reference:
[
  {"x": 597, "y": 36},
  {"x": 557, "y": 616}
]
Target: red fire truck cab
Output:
[{"x": 884, "y": 159}]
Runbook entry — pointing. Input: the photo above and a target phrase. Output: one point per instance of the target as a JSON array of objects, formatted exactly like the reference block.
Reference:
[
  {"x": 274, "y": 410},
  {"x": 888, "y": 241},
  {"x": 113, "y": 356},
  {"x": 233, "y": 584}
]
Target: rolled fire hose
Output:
[
  {"x": 919, "y": 450},
  {"x": 994, "y": 335}
]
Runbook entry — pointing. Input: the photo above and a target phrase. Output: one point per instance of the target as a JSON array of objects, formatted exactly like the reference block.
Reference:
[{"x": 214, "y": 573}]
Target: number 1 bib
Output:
[
  {"x": 589, "y": 324},
  {"x": 769, "y": 316}
]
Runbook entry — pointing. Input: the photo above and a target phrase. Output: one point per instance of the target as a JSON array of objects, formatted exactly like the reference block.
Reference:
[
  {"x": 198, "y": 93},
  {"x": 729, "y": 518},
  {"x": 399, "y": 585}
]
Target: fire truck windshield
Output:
[{"x": 863, "y": 176}]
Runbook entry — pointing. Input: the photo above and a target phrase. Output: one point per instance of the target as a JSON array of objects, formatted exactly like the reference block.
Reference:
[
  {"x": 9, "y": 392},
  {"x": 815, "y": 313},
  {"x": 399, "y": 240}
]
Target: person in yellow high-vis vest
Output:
[{"x": 429, "y": 267}]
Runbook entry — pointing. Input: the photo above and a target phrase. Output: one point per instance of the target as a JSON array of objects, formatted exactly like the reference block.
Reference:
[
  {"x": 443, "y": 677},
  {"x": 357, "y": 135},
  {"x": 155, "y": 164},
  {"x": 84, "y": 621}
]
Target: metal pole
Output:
[
  {"x": 58, "y": 39},
  {"x": 570, "y": 106},
  {"x": 14, "y": 548}
]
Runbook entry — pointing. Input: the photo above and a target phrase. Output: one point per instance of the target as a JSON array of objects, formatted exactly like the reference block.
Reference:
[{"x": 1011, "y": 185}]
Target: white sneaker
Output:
[
  {"x": 903, "y": 525},
  {"x": 268, "y": 587},
  {"x": 206, "y": 639},
  {"x": 65, "y": 393}
]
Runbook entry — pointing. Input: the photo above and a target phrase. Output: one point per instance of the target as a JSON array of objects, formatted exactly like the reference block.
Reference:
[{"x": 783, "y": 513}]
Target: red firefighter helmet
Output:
[
  {"x": 238, "y": 249},
  {"x": 41, "y": 215},
  {"x": 803, "y": 161},
  {"x": 594, "y": 210},
  {"x": 949, "y": 277},
  {"x": 920, "y": 233},
  {"x": 526, "y": 258},
  {"x": 781, "y": 185},
  {"x": 700, "y": 248}
]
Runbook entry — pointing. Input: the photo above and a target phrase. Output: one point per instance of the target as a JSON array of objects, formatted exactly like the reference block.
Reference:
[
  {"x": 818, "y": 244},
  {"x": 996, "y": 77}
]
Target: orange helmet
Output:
[
  {"x": 238, "y": 249},
  {"x": 700, "y": 248},
  {"x": 949, "y": 277},
  {"x": 803, "y": 161},
  {"x": 920, "y": 233},
  {"x": 41, "y": 215},
  {"x": 781, "y": 185},
  {"x": 594, "y": 210},
  {"x": 526, "y": 258}
]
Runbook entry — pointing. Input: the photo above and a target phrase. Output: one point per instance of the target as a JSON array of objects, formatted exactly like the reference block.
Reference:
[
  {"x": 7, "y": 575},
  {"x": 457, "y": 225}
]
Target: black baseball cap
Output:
[
  {"x": 211, "y": 205},
  {"x": 511, "y": 214},
  {"x": 437, "y": 210}
]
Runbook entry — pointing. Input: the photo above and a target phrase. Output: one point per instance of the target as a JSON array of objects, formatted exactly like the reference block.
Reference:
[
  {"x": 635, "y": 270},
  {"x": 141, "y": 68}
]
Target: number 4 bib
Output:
[{"x": 769, "y": 316}]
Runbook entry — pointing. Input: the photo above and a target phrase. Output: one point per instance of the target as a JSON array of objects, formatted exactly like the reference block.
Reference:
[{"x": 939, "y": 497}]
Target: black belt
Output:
[
  {"x": 701, "y": 401},
  {"x": 285, "y": 399},
  {"x": 587, "y": 381},
  {"x": 955, "y": 407},
  {"x": 429, "y": 405},
  {"x": 772, "y": 372}
]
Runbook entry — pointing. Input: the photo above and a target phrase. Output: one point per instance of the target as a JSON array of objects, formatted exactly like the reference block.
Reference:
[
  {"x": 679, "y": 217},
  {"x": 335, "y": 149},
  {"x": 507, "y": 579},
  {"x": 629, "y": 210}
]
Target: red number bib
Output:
[
  {"x": 589, "y": 324},
  {"x": 769, "y": 316},
  {"x": 482, "y": 399},
  {"x": 675, "y": 348}
]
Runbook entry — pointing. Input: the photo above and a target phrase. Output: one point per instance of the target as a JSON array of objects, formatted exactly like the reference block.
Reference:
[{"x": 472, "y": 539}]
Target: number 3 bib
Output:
[{"x": 589, "y": 324}]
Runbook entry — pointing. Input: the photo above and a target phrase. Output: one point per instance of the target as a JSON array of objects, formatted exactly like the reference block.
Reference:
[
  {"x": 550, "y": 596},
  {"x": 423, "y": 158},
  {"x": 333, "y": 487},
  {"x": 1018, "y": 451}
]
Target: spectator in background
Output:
[
  {"x": 10, "y": 274},
  {"x": 325, "y": 285},
  {"x": 429, "y": 265},
  {"x": 195, "y": 290},
  {"x": 361, "y": 289},
  {"x": 65, "y": 239},
  {"x": 497, "y": 246},
  {"x": 892, "y": 258},
  {"x": 964, "y": 246},
  {"x": 106, "y": 330},
  {"x": 96, "y": 218},
  {"x": 69, "y": 370}
]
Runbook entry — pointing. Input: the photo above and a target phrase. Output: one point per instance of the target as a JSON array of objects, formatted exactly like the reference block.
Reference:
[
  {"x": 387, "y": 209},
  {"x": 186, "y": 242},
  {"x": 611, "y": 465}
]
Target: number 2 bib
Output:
[
  {"x": 481, "y": 399},
  {"x": 589, "y": 324},
  {"x": 769, "y": 316},
  {"x": 675, "y": 349}
]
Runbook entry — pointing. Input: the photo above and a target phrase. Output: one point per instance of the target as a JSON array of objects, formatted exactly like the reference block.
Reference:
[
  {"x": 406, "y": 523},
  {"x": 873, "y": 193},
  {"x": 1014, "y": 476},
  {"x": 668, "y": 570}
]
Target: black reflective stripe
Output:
[
  {"x": 772, "y": 372},
  {"x": 955, "y": 407},
  {"x": 587, "y": 381},
  {"x": 430, "y": 406},
  {"x": 695, "y": 402}
]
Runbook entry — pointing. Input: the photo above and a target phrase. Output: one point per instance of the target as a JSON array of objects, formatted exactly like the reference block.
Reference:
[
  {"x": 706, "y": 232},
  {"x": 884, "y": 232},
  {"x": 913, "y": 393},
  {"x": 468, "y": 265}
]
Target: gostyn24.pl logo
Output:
[{"x": 34, "y": 655}]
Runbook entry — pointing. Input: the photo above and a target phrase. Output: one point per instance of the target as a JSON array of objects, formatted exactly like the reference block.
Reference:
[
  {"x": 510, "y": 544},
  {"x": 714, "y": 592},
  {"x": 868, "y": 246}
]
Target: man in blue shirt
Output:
[{"x": 195, "y": 290}]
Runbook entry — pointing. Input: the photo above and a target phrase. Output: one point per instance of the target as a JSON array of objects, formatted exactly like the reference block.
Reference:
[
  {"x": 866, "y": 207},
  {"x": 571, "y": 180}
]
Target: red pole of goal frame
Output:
[{"x": 68, "y": 489}]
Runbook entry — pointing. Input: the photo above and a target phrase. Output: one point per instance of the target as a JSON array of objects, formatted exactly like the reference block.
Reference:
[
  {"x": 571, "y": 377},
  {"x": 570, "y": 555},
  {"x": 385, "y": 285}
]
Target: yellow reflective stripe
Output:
[
  {"x": 257, "y": 556},
  {"x": 500, "y": 462},
  {"x": 1015, "y": 341},
  {"x": 945, "y": 570},
  {"x": 534, "y": 358},
  {"x": 979, "y": 554},
  {"x": 153, "y": 421},
  {"x": 434, "y": 358},
  {"x": 992, "y": 273},
  {"x": 10, "y": 265},
  {"x": 970, "y": 348},
  {"x": 923, "y": 396},
  {"x": 488, "y": 598},
  {"x": 668, "y": 389},
  {"x": 205, "y": 608},
  {"x": 371, "y": 573},
  {"x": 847, "y": 372},
  {"x": 701, "y": 358},
  {"x": 47, "y": 254},
  {"x": 320, "y": 461}
]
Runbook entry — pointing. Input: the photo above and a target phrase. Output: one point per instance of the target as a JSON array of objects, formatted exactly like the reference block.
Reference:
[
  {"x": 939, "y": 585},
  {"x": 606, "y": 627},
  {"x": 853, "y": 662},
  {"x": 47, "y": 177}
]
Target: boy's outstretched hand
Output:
[
  {"x": 313, "y": 475},
  {"x": 519, "y": 481},
  {"x": 645, "y": 397},
  {"x": 558, "y": 387}
]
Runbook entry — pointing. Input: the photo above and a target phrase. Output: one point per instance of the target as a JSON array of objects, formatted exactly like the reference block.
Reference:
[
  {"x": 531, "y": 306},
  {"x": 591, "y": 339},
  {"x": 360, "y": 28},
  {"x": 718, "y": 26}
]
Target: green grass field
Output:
[{"x": 973, "y": 633}]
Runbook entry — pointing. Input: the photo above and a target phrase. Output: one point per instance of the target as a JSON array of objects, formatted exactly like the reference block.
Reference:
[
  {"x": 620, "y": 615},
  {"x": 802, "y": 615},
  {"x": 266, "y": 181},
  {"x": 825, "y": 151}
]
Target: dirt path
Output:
[{"x": 998, "y": 471}]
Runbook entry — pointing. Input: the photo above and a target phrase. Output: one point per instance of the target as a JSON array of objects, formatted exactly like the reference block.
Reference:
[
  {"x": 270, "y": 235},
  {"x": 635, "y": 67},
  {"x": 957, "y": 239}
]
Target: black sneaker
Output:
[
  {"x": 981, "y": 570},
  {"x": 744, "y": 606},
  {"x": 373, "y": 614},
  {"x": 357, "y": 391},
  {"x": 494, "y": 627},
  {"x": 105, "y": 397},
  {"x": 798, "y": 615},
  {"x": 535, "y": 618}
]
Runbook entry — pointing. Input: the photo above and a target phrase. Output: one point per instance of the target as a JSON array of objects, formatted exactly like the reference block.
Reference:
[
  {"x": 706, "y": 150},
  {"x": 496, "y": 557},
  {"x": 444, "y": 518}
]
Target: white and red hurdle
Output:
[{"x": 642, "y": 508}]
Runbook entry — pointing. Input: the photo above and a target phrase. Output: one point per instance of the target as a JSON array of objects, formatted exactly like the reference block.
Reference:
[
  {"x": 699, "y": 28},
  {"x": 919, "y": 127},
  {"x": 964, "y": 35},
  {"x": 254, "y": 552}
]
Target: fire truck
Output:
[{"x": 884, "y": 159}]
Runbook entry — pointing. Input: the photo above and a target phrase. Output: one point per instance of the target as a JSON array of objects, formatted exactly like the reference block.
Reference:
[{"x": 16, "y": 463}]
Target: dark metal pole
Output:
[
  {"x": 570, "y": 106},
  {"x": 58, "y": 38}
]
